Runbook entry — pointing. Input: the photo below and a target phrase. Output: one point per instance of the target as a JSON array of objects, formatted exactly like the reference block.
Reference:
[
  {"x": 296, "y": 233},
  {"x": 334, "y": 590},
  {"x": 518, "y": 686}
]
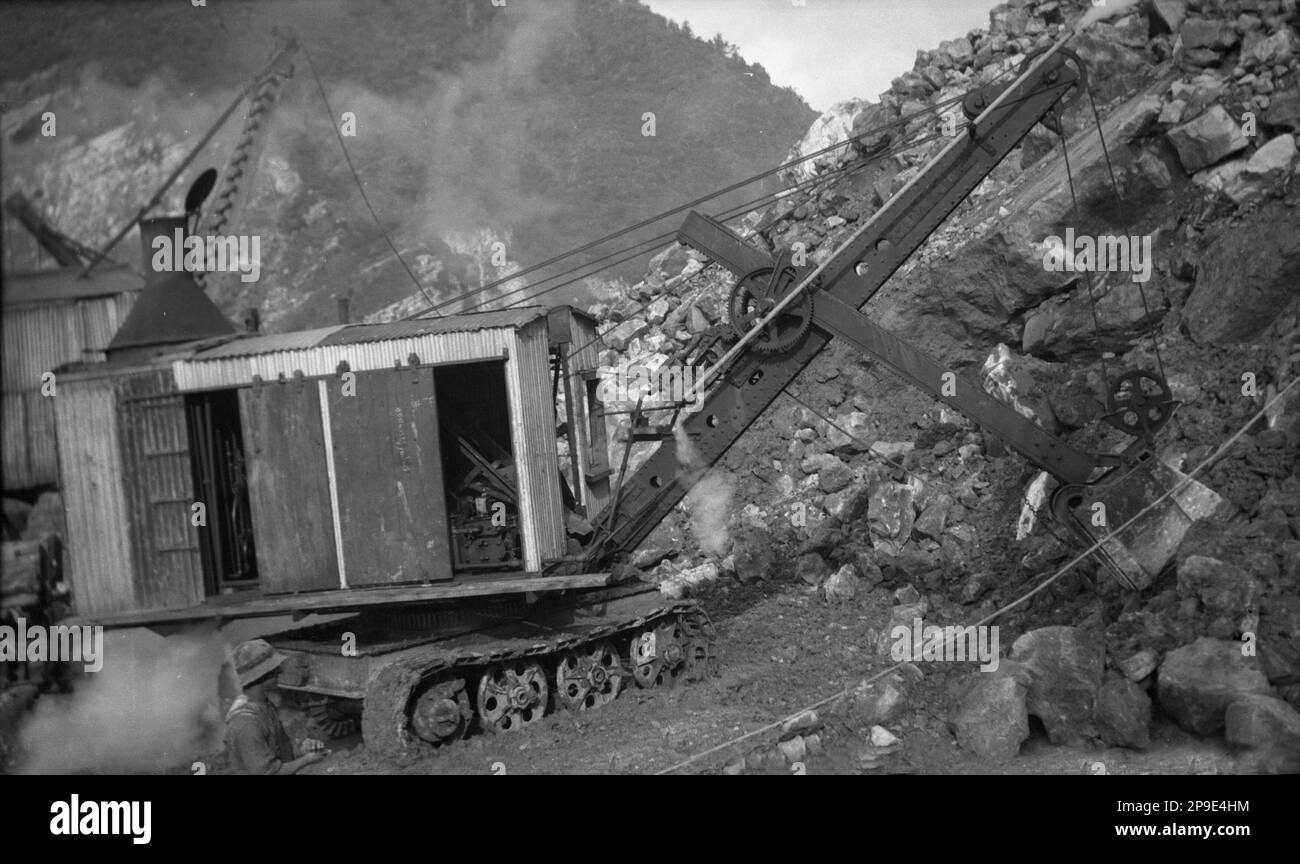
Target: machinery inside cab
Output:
[{"x": 353, "y": 456}]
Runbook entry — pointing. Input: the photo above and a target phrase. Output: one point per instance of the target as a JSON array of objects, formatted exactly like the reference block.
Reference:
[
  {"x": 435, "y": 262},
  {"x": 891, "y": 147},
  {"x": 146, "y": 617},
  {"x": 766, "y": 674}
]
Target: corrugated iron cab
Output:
[{"x": 331, "y": 468}]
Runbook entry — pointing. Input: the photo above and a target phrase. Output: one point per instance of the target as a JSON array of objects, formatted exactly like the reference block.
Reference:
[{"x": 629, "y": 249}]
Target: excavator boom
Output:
[
  {"x": 792, "y": 313},
  {"x": 851, "y": 277}
]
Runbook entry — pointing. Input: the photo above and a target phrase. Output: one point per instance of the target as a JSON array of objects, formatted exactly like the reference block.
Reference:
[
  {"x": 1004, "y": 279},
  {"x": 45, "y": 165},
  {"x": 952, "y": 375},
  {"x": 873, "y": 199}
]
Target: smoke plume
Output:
[
  {"x": 153, "y": 706},
  {"x": 710, "y": 498}
]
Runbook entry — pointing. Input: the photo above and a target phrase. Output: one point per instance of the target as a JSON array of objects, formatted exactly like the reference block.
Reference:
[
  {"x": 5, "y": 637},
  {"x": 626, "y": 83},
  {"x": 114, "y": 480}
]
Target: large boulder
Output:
[
  {"x": 1270, "y": 728},
  {"x": 988, "y": 714},
  {"x": 752, "y": 554},
  {"x": 890, "y": 515},
  {"x": 1247, "y": 277},
  {"x": 842, "y": 585},
  {"x": 1211, "y": 137},
  {"x": 1123, "y": 714},
  {"x": 1169, "y": 14},
  {"x": 852, "y": 432},
  {"x": 1284, "y": 111},
  {"x": 1196, "y": 683},
  {"x": 1222, "y": 588},
  {"x": 833, "y": 475},
  {"x": 1249, "y": 180},
  {"x": 1214, "y": 33},
  {"x": 1065, "y": 327},
  {"x": 958, "y": 53},
  {"x": 1066, "y": 665}
]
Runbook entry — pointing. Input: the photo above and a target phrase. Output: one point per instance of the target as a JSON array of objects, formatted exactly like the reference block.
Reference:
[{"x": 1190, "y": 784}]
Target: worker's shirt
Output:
[{"x": 255, "y": 739}]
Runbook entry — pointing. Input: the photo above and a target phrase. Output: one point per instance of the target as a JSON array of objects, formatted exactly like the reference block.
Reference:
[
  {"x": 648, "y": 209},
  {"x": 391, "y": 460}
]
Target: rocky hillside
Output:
[
  {"x": 913, "y": 513},
  {"x": 477, "y": 124}
]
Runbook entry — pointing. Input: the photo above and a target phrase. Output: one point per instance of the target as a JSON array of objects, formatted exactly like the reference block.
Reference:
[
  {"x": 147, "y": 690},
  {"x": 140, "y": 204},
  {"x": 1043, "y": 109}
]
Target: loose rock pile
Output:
[{"x": 879, "y": 490}]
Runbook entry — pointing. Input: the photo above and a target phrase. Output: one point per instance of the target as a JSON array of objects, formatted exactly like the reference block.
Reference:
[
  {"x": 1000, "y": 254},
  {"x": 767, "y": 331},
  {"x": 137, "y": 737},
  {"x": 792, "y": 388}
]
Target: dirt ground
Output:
[{"x": 781, "y": 649}]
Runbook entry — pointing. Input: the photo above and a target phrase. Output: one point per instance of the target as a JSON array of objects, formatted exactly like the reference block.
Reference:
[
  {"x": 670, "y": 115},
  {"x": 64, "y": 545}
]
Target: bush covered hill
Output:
[{"x": 475, "y": 123}]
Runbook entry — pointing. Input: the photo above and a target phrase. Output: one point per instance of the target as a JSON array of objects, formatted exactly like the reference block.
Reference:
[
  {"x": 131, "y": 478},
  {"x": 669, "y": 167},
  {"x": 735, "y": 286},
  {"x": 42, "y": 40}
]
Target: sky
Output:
[{"x": 830, "y": 50}]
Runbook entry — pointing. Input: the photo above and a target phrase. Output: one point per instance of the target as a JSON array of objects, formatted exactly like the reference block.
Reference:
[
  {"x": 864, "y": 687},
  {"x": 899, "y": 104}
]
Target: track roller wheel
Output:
[
  {"x": 388, "y": 712},
  {"x": 700, "y": 639},
  {"x": 442, "y": 713},
  {"x": 658, "y": 654},
  {"x": 512, "y": 695},
  {"x": 588, "y": 676}
]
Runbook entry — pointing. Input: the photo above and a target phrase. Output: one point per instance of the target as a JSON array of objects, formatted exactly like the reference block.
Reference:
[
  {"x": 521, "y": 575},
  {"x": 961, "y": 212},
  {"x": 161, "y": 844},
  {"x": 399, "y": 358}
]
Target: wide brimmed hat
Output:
[{"x": 255, "y": 659}]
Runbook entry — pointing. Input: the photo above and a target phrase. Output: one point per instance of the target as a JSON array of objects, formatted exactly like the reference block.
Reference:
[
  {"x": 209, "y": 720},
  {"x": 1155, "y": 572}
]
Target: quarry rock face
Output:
[{"x": 1246, "y": 276}]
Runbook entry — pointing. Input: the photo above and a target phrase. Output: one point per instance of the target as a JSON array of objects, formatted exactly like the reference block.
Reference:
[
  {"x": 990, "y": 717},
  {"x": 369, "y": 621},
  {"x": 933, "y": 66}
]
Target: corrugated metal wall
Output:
[
  {"x": 532, "y": 412},
  {"x": 38, "y": 338},
  {"x": 99, "y": 556}
]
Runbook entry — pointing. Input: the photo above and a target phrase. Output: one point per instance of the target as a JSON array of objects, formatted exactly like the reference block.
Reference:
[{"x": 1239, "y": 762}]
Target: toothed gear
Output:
[{"x": 755, "y": 295}]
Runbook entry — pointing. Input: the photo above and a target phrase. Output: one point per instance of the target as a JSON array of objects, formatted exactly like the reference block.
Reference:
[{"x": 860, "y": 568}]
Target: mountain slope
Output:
[{"x": 520, "y": 124}]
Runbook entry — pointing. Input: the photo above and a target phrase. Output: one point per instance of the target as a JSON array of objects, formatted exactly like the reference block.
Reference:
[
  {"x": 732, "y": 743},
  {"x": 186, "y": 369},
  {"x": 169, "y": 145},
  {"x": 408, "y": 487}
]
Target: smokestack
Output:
[
  {"x": 172, "y": 308},
  {"x": 343, "y": 310}
]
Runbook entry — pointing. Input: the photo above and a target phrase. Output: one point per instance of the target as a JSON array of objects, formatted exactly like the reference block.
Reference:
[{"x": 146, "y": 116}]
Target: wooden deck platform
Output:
[{"x": 255, "y": 604}]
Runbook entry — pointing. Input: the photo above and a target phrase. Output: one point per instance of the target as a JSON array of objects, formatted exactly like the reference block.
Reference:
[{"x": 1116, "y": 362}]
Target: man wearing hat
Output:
[{"x": 255, "y": 739}]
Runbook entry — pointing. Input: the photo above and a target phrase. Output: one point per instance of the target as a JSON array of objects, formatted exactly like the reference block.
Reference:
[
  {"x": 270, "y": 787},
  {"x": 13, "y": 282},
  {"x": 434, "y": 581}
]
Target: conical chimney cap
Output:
[{"x": 172, "y": 308}]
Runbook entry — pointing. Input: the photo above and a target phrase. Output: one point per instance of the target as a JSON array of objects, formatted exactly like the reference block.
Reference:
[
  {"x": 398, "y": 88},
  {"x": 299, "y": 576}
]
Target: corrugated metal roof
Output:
[
  {"x": 250, "y": 345},
  {"x": 49, "y": 286},
  {"x": 506, "y": 318}
]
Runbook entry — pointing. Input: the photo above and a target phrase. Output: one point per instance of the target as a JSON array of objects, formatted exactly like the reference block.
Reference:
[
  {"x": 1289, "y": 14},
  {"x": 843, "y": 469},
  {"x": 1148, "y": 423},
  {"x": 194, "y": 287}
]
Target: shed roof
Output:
[
  {"x": 249, "y": 345},
  {"x": 66, "y": 284},
  {"x": 505, "y": 318},
  {"x": 354, "y": 334}
]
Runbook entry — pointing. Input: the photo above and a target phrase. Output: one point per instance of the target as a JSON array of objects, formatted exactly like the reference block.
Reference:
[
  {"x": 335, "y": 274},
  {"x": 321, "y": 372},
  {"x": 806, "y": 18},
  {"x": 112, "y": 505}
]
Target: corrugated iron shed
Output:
[
  {"x": 51, "y": 319},
  {"x": 516, "y": 337}
]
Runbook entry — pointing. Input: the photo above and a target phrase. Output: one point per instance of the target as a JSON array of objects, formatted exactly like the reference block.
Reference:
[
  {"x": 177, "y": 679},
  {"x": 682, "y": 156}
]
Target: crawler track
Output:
[{"x": 491, "y": 681}]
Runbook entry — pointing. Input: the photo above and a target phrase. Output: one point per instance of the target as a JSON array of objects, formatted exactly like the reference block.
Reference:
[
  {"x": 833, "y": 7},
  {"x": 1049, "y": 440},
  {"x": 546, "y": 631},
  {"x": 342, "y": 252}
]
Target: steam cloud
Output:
[
  {"x": 447, "y": 161},
  {"x": 153, "y": 706},
  {"x": 710, "y": 498}
]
